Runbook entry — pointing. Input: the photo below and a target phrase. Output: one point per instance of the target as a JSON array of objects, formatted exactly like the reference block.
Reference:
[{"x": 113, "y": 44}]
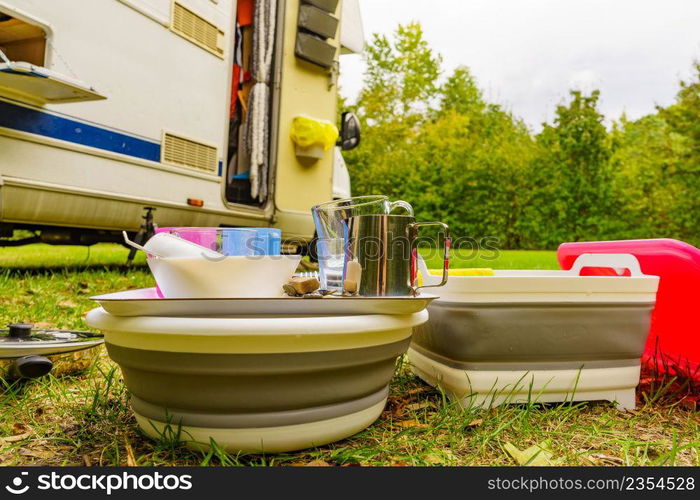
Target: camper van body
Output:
[{"x": 132, "y": 89}]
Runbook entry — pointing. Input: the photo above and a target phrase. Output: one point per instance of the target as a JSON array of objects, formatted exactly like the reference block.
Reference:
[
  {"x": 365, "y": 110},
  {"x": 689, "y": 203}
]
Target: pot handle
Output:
[
  {"x": 411, "y": 230},
  {"x": 33, "y": 366},
  {"x": 401, "y": 204}
]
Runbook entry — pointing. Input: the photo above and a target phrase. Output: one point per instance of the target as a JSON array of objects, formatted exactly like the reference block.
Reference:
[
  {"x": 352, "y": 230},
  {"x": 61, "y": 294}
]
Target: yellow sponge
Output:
[
  {"x": 465, "y": 272},
  {"x": 458, "y": 272}
]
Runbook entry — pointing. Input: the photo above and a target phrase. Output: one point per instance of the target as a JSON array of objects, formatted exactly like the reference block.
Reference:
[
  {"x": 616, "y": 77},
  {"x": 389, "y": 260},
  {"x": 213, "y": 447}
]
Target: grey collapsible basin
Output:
[
  {"x": 520, "y": 336},
  {"x": 257, "y": 384}
]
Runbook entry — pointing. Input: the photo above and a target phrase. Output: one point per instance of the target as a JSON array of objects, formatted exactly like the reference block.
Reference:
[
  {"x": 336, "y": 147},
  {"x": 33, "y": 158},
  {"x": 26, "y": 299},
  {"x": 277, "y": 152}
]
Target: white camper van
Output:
[{"x": 112, "y": 108}]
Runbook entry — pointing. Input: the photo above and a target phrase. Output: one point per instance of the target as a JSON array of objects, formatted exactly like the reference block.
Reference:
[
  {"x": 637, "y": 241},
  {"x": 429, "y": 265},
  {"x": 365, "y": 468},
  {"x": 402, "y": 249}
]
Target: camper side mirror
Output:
[{"x": 349, "y": 131}]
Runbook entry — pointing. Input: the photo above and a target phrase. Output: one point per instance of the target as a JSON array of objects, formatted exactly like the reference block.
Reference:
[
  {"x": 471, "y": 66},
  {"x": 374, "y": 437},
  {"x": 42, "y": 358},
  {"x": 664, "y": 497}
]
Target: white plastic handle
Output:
[
  {"x": 607, "y": 260},
  {"x": 137, "y": 246},
  {"x": 428, "y": 279}
]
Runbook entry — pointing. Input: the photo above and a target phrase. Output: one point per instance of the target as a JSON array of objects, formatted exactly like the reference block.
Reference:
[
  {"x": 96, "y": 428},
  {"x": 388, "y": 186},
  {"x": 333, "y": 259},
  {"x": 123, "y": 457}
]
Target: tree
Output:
[
  {"x": 438, "y": 145},
  {"x": 683, "y": 117},
  {"x": 683, "y": 120},
  {"x": 649, "y": 198},
  {"x": 460, "y": 93},
  {"x": 400, "y": 83},
  {"x": 570, "y": 177},
  {"x": 401, "y": 77}
]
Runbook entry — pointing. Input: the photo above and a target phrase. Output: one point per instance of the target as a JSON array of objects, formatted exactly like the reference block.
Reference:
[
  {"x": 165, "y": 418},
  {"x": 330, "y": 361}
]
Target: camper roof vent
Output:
[
  {"x": 183, "y": 152},
  {"x": 197, "y": 30}
]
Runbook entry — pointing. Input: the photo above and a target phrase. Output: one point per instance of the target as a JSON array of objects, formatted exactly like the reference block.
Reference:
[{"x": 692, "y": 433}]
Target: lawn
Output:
[{"x": 79, "y": 415}]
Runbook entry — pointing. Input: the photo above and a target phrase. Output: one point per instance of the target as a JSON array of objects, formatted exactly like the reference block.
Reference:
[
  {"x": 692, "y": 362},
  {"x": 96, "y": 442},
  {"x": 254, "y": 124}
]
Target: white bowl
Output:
[{"x": 227, "y": 277}]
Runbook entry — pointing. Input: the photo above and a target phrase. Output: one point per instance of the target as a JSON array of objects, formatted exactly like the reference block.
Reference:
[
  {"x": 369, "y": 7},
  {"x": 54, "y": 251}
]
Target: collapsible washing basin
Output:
[
  {"x": 674, "y": 342},
  {"x": 267, "y": 384},
  {"x": 538, "y": 336}
]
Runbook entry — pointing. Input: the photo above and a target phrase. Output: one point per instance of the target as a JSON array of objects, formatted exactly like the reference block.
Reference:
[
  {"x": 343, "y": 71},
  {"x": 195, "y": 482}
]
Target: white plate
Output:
[{"x": 145, "y": 302}]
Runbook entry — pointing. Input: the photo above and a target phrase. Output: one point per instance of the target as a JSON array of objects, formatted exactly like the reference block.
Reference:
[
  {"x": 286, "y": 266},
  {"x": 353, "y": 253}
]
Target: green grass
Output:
[
  {"x": 51, "y": 258},
  {"x": 503, "y": 259},
  {"x": 80, "y": 413}
]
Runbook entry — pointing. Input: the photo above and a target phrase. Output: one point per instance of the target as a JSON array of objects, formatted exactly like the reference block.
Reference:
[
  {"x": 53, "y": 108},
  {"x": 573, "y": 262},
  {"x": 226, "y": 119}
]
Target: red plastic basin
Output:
[{"x": 673, "y": 344}]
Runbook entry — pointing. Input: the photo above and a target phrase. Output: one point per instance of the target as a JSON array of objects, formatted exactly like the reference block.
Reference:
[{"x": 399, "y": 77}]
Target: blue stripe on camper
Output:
[{"x": 57, "y": 127}]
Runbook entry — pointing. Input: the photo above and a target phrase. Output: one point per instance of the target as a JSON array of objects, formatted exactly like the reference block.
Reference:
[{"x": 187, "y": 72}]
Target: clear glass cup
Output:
[{"x": 331, "y": 262}]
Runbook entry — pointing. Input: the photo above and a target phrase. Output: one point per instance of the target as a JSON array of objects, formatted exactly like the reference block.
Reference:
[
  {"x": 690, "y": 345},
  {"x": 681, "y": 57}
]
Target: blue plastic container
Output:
[{"x": 264, "y": 241}]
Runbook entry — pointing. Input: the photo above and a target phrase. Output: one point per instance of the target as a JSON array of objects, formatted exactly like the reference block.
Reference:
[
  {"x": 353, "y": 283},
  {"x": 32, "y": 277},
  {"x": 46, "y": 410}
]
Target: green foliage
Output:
[
  {"x": 440, "y": 146},
  {"x": 461, "y": 94},
  {"x": 469, "y": 171},
  {"x": 437, "y": 143},
  {"x": 646, "y": 187},
  {"x": 401, "y": 77},
  {"x": 684, "y": 116},
  {"x": 569, "y": 178},
  {"x": 401, "y": 83}
]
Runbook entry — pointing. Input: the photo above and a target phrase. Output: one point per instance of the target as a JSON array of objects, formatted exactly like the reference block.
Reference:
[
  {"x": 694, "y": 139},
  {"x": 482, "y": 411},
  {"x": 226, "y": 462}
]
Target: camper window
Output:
[{"x": 21, "y": 41}]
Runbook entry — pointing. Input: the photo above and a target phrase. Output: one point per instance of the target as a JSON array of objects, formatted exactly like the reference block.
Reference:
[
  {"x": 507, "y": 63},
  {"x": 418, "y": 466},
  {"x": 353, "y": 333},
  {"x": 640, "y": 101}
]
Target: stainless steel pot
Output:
[{"x": 385, "y": 246}]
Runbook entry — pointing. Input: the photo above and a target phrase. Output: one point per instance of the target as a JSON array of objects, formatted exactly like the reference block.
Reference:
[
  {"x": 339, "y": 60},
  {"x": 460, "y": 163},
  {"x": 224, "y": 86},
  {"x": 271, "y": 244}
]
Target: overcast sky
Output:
[{"x": 526, "y": 54}]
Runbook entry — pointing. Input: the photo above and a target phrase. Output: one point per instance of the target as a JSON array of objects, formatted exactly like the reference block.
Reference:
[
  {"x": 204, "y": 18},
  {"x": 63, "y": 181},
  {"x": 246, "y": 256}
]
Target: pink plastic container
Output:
[
  {"x": 205, "y": 237},
  {"x": 673, "y": 344}
]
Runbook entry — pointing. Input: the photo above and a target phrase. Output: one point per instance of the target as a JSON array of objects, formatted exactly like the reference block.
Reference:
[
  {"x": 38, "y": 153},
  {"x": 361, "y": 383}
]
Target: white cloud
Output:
[{"x": 527, "y": 54}]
